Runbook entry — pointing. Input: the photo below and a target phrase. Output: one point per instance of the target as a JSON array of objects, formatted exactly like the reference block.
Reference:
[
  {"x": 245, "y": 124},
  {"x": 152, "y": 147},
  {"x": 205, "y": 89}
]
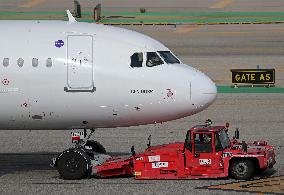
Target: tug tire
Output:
[{"x": 242, "y": 169}]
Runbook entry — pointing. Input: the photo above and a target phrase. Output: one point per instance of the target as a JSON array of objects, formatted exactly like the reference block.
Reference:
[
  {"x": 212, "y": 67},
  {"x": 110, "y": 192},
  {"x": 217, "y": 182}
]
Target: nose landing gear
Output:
[{"x": 75, "y": 163}]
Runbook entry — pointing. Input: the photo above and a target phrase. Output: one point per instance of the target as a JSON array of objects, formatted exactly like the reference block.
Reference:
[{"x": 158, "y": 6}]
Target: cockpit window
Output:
[
  {"x": 169, "y": 57},
  {"x": 153, "y": 59},
  {"x": 137, "y": 60}
]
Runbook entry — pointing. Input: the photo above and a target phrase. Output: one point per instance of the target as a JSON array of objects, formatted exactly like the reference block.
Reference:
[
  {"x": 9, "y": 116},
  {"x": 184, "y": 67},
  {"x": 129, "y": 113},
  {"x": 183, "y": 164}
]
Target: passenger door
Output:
[{"x": 80, "y": 63}]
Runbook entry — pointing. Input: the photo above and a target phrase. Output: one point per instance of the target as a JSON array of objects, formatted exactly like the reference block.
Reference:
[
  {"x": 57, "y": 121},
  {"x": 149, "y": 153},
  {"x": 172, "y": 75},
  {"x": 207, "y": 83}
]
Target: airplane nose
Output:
[{"x": 204, "y": 91}]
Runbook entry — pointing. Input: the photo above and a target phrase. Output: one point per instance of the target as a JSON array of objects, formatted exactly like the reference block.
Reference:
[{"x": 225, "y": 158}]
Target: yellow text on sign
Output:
[{"x": 252, "y": 77}]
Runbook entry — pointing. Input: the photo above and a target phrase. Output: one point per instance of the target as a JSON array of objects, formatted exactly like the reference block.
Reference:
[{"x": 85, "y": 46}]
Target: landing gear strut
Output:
[{"x": 81, "y": 139}]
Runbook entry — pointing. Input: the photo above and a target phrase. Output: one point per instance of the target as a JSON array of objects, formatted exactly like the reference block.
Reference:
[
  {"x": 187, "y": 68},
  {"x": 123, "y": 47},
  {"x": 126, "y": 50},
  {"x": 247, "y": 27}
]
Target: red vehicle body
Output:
[{"x": 206, "y": 153}]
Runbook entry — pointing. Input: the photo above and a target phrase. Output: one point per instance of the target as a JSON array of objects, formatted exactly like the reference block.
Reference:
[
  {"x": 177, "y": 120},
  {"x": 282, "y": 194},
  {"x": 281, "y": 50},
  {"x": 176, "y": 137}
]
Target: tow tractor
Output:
[{"x": 207, "y": 152}]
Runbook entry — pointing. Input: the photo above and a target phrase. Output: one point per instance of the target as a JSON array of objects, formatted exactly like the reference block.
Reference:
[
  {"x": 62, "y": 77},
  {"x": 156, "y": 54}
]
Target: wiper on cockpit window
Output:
[{"x": 169, "y": 57}]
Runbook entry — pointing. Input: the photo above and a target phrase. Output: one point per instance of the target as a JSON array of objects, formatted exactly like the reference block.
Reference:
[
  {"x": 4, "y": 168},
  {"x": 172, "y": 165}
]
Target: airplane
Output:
[{"x": 74, "y": 75}]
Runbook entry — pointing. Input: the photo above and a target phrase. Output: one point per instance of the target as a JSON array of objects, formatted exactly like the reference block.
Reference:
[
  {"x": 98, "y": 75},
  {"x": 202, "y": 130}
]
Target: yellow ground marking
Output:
[
  {"x": 277, "y": 31},
  {"x": 31, "y": 3},
  {"x": 228, "y": 33},
  {"x": 221, "y": 4},
  {"x": 221, "y": 80},
  {"x": 279, "y": 69},
  {"x": 223, "y": 67},
  {"x": 186, "y": 29},
  {"x": 268, "y": 185}
]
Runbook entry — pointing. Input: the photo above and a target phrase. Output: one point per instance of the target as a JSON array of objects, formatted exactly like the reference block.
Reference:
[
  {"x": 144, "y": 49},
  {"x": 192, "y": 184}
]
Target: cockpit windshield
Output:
[
  {"x": 153, "y": 59},
  {"x": 169, "y": 57}
]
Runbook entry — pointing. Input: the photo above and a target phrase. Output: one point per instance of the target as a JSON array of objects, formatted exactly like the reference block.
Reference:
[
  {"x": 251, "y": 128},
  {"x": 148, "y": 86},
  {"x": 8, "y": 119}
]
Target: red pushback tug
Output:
[{"x": 206, "y": 153}]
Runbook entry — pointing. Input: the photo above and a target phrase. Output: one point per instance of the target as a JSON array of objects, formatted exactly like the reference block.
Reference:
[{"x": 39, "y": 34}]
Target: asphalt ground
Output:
[
  {"x": 158, "y": 18},
  {"x": 135, "y": 5},
  {"x": 125, "y": 11},
  {"x": 25, "y": 155}
]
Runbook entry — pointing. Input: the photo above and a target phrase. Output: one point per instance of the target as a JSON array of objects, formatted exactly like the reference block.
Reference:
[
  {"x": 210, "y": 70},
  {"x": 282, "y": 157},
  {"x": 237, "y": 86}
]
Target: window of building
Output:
[
  {"x": 20, "y": 62},
  {"x": 6, "y": 62},
  {"x": 49, "y": 62},
  {"x": 153, "y": 59},
  {"x": 137, "y": 60},
  {"x": 34, "y": 62}
]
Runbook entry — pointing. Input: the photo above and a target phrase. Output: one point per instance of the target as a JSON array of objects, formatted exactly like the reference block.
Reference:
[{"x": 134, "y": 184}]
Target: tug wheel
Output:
[
  {"x": 73, "y": 164},
  {"x": 242, "y": 169},
  {"x": 95, "y": 146}
]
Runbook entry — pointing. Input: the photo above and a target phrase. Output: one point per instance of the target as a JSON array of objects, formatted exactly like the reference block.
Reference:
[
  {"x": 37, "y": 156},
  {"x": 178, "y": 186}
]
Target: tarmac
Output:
[
  {"x": 157, "y": 5},
  {"x": 213, "y": 49},
  {"x": 156, "y": 18}
]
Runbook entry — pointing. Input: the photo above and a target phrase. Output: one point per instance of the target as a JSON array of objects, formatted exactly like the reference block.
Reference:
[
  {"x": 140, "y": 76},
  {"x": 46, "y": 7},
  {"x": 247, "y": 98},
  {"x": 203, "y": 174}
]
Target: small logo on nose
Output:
[
  {"x": 5, "y": 82},
  {"x": 169, "y": 94}
]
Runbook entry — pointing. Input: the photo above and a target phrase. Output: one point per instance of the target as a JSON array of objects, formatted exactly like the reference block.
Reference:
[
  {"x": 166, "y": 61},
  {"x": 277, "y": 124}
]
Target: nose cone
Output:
[{"x": 204, "y": 91}]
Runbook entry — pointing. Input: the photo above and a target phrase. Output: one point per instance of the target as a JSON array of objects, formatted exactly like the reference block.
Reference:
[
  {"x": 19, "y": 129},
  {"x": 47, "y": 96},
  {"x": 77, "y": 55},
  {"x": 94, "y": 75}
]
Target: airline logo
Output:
[{"x": 59, "y": 43}]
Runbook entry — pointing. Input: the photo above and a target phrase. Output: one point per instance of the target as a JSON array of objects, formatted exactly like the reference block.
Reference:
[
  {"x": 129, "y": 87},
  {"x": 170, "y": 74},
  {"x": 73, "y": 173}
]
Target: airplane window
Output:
[
  {"x": 48, "y": 62},
  {"x": 6, "y": 62},
  {"x": 34, "y": 62},
  {"x": 169, "y": 57},
  {"x": 136, "y": 60},
  {"x": 153, "y": 59},
  {"x": 20, "y": 62}
]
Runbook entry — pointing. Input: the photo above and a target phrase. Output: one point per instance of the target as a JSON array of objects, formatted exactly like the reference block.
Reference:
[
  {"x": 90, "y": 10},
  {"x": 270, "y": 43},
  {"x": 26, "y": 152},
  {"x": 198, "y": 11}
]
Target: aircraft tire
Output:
[
  {"x": 73, "y": 164},
  {"x": 96, "y": 146},
  {"x": 242, "y": 169}
]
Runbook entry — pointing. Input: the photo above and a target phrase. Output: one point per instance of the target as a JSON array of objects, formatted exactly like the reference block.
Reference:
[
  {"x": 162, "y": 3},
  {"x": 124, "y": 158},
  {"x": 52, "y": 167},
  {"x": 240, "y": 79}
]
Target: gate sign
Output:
[{"x": 253, "y": 76}]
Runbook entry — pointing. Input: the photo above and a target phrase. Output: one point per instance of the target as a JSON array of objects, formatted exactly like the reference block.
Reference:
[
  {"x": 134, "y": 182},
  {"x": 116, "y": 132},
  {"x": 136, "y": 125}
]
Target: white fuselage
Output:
[{"x": 57, "y": 75}]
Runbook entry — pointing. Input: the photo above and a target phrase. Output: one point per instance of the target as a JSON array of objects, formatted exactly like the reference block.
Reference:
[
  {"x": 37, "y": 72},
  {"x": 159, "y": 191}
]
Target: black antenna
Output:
[
  {"x": 149, "y": 141},
  {"x": 133, "y": 151},
  {"x": 244, "y": 146},
  {"x": 237, "y": 134}
]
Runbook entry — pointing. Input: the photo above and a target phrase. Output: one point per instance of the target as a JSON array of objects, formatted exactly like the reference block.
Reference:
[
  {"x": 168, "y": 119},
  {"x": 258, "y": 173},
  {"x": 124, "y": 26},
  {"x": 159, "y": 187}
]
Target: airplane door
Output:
[{"x": 80, "y": 63}]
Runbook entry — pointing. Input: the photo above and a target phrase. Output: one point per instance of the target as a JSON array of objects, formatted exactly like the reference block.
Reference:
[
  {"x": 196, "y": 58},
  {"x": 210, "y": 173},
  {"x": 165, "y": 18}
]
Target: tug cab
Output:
[{"x": 203, "y": 149}]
